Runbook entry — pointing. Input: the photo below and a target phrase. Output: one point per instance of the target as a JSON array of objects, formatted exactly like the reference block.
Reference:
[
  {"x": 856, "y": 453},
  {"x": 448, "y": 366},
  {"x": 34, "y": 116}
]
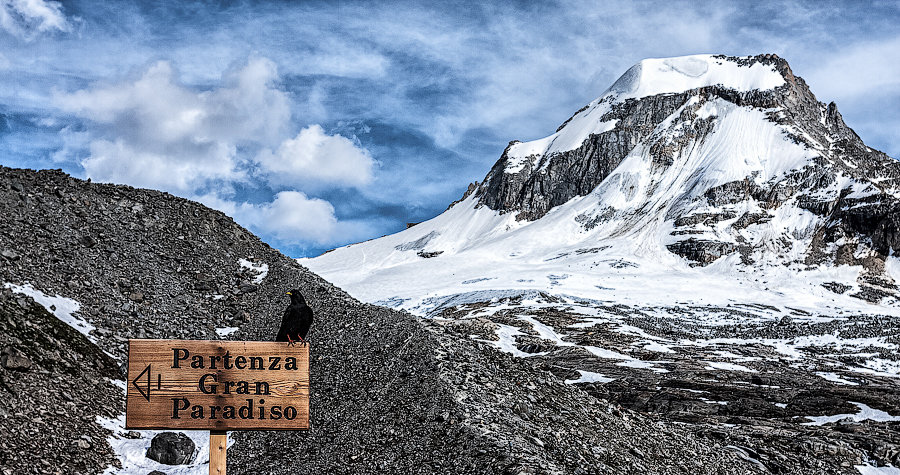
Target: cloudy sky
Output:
[{"x": 317, "y": 124}]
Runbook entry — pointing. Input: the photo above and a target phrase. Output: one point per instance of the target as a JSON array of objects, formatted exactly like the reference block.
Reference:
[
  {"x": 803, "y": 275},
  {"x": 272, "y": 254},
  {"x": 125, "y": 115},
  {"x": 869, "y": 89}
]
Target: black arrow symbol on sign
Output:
[{"x": 135, "y": 383}]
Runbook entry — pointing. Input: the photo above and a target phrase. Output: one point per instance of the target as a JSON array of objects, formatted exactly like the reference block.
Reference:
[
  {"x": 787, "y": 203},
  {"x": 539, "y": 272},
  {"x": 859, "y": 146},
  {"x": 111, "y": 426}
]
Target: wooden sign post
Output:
[{"x": 217, "y": 386}]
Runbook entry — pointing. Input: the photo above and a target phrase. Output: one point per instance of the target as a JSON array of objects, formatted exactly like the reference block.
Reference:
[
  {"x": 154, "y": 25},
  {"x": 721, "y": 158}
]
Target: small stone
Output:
[
  {"x": 9, "y": 254},
  {"x": 136, "y": 297},
  {"x": 248, "y": 288},
  {"x": 82, "y": 444},
  {"x": 12, "y": 358},
  {"x": 132, "y": 434},
  {"x": 87, "y": 241}
]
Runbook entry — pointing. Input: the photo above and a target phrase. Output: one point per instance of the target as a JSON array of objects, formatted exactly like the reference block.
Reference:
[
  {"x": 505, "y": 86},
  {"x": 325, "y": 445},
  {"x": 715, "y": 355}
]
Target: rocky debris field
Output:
[
  {"x": 390, "y": 393},
  {"x": 801, "y": 394},
  {"x": 54, "y": 383}
]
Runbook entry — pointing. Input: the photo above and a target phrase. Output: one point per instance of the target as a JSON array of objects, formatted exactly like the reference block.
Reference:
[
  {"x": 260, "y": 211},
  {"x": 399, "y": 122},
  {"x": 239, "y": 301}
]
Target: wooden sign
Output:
[{"x": 217, "y": 385}]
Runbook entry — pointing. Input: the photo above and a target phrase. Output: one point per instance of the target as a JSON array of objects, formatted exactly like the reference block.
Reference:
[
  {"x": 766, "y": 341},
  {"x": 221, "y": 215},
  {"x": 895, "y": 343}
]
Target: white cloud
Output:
[
  {"x": 317, "y": 156},
  {"x": 292, "y": 217},
  {"x": 26, "y": 18},
  {"x": 156, "y": 132},
  {"x": 860, "y": 69},
  {"x": 120, "y": 162},
  {"x": 516, "y": 76},
  {"x": 155, "y": 108},
  {"x": 339, "y": 57}
]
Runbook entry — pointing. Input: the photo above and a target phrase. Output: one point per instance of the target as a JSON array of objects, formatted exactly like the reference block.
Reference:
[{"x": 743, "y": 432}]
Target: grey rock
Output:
[
  {"x": 87, "y": 240},
  {"x": 701, "y": 251},
  {"x": 171, "y": 448},
  {"x": 248, "y": 288},
  {"x": 13, "y": 359}
]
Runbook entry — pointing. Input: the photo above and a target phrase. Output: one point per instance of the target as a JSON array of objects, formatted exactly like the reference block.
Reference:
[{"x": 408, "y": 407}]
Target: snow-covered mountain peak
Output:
[
  {"x": 672, "y": 75},
  {"x": 699, "y": 170},
  {"x": 652, "y": 77},
  {"x": 705, "y": 229}
]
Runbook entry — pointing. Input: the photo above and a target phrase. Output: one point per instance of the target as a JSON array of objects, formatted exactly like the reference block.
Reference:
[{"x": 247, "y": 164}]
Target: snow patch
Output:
[
  {"x": 225, "y": 331},
  {"x": 640, "y": 364},
  {"x": 865, "y": 413},
  {"x": 673, "y": 75},
  {"x": 879, "y": 367},
  {"x": 61, "y": 307},
  {"x": 835, "y": 378},
  {"x": 506, "y": 341},
  {"x": 261, "y": 270},
  {"x": 132, "y": 453},
  {"x": 604, "y": 353},
  {"x": 589, "y": 377},
  {"x": 872, "y": 470},
  {"x": 892, "y": 267},
  {"x": 714, "y": 365},
  {"x": 657, "y": 347}
]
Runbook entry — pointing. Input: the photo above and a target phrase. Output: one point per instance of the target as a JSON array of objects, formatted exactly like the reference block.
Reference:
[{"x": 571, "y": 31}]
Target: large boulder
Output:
[{"x": 171, "y": 448}]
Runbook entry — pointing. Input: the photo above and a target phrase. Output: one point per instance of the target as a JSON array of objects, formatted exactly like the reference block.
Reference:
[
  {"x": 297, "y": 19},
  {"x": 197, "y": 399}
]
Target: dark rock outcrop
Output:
[
  {"x": 171, "y": 448},
  {"x": 701, "y": 251}
]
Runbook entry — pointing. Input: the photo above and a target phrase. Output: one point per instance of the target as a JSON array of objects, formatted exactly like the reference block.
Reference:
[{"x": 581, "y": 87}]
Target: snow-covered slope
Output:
[
  {"x": 650, "y": 77},
  {"x": 700, "y": 180}
]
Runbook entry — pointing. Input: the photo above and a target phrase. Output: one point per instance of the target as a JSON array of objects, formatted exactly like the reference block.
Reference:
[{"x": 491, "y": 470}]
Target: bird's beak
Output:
[{"x": 288, "y": 293}]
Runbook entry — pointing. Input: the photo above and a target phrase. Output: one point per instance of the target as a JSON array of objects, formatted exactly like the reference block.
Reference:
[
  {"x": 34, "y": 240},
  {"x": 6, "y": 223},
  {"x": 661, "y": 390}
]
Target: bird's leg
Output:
[
  {"x": 302, "y": 340},
  {"x": 290, "y": 341}
]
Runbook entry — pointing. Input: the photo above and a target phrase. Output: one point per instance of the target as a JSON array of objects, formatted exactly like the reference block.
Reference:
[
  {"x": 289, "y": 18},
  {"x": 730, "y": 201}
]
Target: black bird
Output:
[{"x": 297, "y": 319}]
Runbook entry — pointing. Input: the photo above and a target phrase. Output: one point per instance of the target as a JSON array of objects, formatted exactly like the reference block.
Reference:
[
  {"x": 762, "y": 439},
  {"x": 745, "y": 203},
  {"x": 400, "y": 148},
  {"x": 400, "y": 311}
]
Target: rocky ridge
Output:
[{"x": 390, "y": 392}]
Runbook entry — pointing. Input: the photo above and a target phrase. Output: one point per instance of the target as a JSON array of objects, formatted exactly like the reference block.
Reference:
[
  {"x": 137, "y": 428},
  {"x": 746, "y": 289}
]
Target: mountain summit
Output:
[
  {"x": 705, "y": 242},
  {"x": 707, "y": 160}
]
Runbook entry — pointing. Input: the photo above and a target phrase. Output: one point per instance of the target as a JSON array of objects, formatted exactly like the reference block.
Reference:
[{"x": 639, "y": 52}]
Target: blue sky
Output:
[{"x": 317, "y": 124}]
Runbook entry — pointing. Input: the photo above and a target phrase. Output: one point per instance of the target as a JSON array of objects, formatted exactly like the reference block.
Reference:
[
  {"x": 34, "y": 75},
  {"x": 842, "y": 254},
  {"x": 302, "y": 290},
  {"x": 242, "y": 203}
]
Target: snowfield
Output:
[{"x": 487, "y": 255}]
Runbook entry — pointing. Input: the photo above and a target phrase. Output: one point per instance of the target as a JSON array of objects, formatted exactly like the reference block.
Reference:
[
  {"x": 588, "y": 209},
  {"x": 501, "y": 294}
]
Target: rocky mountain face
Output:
[
  {"x": 705, "y": 244},
  {"x": 390, "y": 393},
  {"x": 851, "y": 189}
]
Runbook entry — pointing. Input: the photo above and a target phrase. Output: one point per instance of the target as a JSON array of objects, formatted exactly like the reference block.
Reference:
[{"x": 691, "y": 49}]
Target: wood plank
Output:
[
  {"x": 218, "y": 444},
  {"x": 217, "y": 385}
]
